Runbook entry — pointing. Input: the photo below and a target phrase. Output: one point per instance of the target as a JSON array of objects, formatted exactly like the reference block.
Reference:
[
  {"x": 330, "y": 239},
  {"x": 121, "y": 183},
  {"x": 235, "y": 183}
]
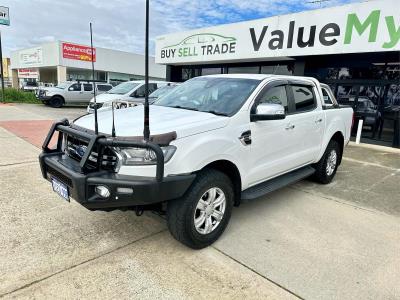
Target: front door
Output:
[
  {"x": 272, "y": 140},
  {"x": 74, "y": 94}
]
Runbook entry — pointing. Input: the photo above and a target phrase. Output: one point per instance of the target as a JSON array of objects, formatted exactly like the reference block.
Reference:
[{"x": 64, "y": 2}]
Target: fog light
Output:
[{"x": 102, "y": 191}]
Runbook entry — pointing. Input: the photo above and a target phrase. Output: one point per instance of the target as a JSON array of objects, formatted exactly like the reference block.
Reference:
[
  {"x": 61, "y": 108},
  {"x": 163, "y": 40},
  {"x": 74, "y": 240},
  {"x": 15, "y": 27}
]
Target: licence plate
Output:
[{"x": 60, "y": 188}]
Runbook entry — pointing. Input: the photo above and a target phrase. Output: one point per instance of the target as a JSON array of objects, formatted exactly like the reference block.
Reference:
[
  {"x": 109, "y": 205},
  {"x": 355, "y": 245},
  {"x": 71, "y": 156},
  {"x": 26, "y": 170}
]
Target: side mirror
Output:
[{"x": 268, "y": 111}]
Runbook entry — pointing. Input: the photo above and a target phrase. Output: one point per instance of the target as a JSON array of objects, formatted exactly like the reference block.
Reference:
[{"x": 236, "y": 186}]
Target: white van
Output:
[{"x": 125, "y": 91}]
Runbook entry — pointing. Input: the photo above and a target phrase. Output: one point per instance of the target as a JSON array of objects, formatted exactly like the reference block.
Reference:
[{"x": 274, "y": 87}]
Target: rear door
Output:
[
  {"x": 307, "y": 123},
  {"x": 87, "y": 92}
]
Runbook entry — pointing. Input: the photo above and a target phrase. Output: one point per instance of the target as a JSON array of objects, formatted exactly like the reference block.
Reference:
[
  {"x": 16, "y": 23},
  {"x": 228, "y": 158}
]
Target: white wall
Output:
[
  {"x": 106, "y": 60},
  {"x": 116, "y": 61},
  {"x": 49, "y": 56}
]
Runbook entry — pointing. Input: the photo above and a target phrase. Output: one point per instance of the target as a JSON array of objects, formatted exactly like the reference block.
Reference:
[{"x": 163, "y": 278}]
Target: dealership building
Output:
[
  {"x": 354, "y": 48},
  {"x": 61, "y": 61}
]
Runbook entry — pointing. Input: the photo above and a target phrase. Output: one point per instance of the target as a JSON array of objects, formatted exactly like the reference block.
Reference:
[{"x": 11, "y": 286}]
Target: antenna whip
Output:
[
  {"x": 96, "y": 126},
  {"x": 146, "y": 127}
]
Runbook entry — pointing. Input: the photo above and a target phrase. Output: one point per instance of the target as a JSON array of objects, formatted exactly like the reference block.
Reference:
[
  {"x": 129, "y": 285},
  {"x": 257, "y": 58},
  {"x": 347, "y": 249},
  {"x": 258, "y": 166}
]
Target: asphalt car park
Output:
[{"x": 339, "y": 241}]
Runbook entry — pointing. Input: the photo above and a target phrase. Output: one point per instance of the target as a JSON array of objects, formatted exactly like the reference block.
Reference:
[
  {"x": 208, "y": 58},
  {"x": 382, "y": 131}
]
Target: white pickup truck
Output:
[{"x": 216, "y": 141}]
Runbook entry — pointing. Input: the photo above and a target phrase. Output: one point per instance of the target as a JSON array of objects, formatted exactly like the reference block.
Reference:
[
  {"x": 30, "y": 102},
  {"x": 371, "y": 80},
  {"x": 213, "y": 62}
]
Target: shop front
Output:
[{"x": 353, "y": 48}]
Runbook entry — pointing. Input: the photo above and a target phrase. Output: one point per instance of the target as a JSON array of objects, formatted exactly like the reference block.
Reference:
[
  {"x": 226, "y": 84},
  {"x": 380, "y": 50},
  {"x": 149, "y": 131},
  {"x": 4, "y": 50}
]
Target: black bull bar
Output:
[{"x": 63, "y": 127}]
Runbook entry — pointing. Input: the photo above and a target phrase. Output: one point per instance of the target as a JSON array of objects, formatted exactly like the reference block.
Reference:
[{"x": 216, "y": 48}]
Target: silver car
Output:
[{"x": 71, "y": 92}]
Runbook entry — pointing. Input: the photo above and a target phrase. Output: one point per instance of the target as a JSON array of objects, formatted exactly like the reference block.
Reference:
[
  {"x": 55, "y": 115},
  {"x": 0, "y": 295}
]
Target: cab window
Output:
[
  {"x": 76, "y": 87},
  {"x": 140, "y": 92},
  {"x": 275, "y": 95},
  {"x": 327, "y": 97},
  {"x": 304, "y": 98},
  {"x": 87, "y": 87},
  {"x": 104, "y": 87}
]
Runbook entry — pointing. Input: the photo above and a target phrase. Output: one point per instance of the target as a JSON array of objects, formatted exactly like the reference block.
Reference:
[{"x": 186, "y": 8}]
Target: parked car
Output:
[
  {"x": 29, "y": 86},
  {"x": 215, "y": 141},
  {"x": 71, "y": 92},
  {"x": 129, "y": 90},
  {"x": 118, "y": 104}
]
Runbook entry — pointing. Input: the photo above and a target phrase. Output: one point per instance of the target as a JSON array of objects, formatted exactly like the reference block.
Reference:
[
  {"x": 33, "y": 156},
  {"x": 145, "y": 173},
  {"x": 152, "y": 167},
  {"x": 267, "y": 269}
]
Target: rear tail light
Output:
[{"x": 352, "y": 121}]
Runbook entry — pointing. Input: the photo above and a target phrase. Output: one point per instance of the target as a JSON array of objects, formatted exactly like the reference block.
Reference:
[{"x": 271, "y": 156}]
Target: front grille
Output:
[
  {"x": 76, "y": 148},
  {"x": 61, "y": 177}
]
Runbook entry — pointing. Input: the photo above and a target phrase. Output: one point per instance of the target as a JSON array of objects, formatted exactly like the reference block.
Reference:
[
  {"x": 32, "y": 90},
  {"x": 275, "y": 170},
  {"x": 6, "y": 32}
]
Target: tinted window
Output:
[
  {"x": 87, "y": 87},
  {"x": 275, "y": 95},
  {"x": 123, "y": 88},
  {"x": 75, "y": 87},
  {"x": 327, "y": 98},
  {"x": 303, "y": 97},
  {"x": 104, "y": 88},
  {"x": 140, "y": 91}
]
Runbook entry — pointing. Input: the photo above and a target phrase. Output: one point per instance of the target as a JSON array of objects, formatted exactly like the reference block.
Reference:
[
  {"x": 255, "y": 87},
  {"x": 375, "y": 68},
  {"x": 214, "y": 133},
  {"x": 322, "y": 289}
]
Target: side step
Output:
[{"x": 271, "y": 185}]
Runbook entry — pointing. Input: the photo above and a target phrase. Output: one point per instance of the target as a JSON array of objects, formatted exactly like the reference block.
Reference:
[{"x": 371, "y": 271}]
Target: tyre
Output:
[
  {"x": 56, "y": 102},
  {"x": 327, "y": 166},
  {"x": 200, "y": 217}
]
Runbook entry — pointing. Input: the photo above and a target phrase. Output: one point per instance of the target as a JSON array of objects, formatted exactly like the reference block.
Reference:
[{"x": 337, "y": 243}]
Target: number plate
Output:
[{"x": 60, "y": 188}]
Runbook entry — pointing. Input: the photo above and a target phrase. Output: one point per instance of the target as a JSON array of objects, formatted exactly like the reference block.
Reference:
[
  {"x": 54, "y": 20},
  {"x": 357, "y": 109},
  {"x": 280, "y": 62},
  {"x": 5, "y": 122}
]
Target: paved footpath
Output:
[{"x": 308, "y": 241}]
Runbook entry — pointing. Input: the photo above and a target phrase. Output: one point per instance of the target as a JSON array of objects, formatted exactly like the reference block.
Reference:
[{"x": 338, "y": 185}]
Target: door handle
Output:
[
  {"x": 289, "y": 126},
  {"x": 318, "y": 121}
]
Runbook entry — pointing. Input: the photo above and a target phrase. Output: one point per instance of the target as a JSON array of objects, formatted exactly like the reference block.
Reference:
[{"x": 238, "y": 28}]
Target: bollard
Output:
[{"x": 359, "y": 129}]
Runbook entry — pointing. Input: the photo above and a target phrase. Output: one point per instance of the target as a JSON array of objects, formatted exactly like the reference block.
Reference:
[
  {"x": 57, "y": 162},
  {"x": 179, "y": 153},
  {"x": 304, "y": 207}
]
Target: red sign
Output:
[
  {"x": 78, "y": 52},
  {"x": 28, "y": 73}
]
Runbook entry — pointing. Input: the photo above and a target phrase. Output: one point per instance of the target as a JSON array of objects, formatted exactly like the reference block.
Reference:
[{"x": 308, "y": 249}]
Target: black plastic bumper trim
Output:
[{"x": 146, "y": 190}]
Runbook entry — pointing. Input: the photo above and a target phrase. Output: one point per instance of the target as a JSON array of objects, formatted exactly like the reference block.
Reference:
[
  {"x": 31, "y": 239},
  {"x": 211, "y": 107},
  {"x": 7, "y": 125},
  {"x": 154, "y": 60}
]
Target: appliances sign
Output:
[
  {"x": 78, "y": 52},
  {"x": 362, "y": 27}
]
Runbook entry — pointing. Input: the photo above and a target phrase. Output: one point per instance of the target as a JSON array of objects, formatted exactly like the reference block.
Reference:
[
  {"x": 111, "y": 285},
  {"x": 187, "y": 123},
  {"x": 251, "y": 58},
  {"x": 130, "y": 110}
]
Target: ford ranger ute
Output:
[{"x": 215, "y": 141}]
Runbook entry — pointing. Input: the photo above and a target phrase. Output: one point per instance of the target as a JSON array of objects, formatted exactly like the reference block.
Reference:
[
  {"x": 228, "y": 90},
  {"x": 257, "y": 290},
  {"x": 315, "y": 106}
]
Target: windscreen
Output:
[
  {"x": 162, "y": 91},
  {"x": 123, "y": 88},
  {"x": 62, "y": 85},
  {"x": 218, "y": 95}
]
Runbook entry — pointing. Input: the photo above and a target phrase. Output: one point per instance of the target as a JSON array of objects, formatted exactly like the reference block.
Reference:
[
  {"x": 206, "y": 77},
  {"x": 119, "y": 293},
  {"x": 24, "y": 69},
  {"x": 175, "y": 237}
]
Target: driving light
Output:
[
  {"x": 144, "y": 156},
  {"x": 102, "y": 191}
]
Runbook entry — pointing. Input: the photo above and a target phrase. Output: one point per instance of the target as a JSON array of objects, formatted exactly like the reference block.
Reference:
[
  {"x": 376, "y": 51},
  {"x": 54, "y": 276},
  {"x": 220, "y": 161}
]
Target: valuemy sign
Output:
[
  {"x": 364, "y": 27},
  {"x": 78, "y": 52}
]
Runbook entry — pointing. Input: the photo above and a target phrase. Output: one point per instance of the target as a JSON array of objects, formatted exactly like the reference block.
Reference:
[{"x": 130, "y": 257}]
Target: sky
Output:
[{"x": 119, "y": 24}]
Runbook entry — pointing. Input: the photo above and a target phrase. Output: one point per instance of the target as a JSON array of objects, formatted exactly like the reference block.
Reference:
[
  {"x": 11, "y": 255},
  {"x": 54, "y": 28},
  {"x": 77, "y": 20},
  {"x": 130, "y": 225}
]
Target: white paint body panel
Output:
[{"x": 203, "y": 138}]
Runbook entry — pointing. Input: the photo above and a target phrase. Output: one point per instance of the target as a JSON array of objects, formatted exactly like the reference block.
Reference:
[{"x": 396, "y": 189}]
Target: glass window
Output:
[
  {"x": 278, "y": 70},
  {"x": 76, "y": 87},
  {"x": 327, "y": 97},
  {"x": 62, "y": 85},
  {"x": 123, "y": 88},
  {"x": 211, "y": 71},
  {"x": 244, "y": 70},
  {"x": 275, "y": 95},
  {"x": 88, "y": 87},
  {"x": 303, "y": 98},
  {"x": 103, "y": 87},
  {"x": 221, "y": 96}
]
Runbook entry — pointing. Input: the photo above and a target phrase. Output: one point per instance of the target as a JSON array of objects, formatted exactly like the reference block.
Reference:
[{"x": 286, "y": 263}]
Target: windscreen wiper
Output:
[
  {"x": 217, "y": 113},
  {"x": 183, "y": 107}
]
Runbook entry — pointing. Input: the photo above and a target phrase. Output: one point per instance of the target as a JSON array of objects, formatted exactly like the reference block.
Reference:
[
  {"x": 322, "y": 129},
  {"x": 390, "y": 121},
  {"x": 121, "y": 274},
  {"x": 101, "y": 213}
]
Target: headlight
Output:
[
  {"x": 143, "y": 156},
  {"x": 107, "y": 104}
]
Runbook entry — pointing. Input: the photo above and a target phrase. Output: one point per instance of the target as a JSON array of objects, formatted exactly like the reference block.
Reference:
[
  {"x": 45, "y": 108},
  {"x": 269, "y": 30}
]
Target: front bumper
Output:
[
  {"x": 146, "y": 190},
  {"x": 125, "y": 191},
  {"x": 43, "y": 98}
]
